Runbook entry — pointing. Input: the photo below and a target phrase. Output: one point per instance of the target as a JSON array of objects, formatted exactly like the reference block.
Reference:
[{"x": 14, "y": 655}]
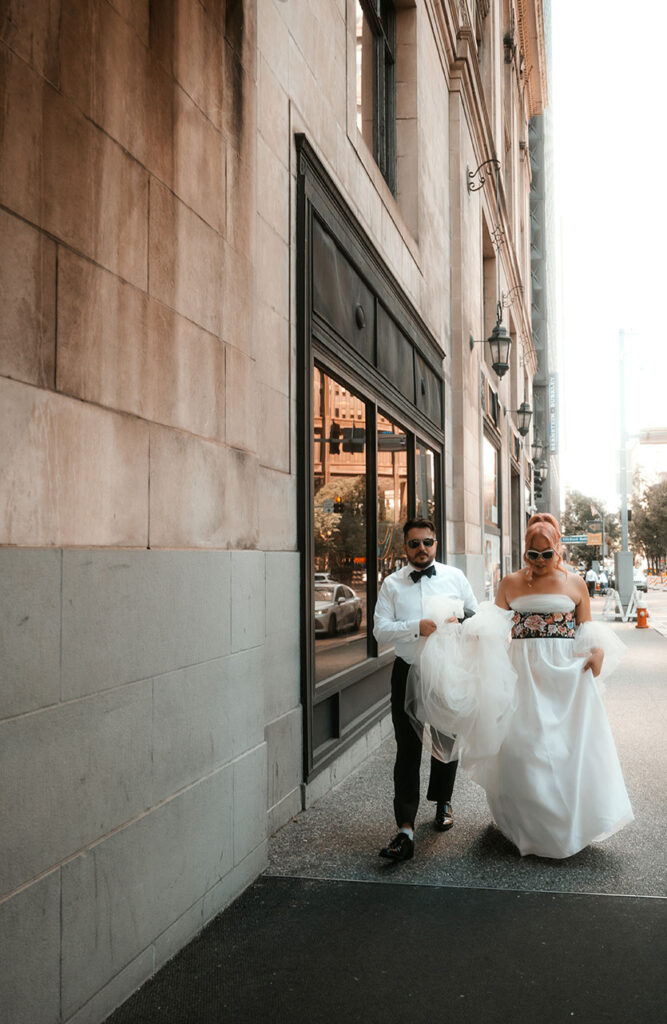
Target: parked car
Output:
[
  {"x": 337, "y": 607},
  {"x": 639, "y": 580},
  {"x": 322, "y": 577}
]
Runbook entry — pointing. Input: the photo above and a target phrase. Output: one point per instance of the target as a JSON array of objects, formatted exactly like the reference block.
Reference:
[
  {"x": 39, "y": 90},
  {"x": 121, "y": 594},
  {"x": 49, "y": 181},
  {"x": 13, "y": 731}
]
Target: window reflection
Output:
[
  {"x": 491, "y": 519},
  {"x": 490, "y": 484},
  {"x": 392, "y": 498},
  {"x": 365, "y": 77},
  {"x": 491, "y": 565},
  {"x": 425, "y": 482},
  {"x": 339, "y": 521}
]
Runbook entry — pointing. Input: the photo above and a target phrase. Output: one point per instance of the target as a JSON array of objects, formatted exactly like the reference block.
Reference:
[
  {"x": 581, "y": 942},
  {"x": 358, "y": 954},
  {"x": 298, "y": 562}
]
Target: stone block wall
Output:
[
  {"x": 150, "y": 718},
  {"x": 150, "y": 737}
]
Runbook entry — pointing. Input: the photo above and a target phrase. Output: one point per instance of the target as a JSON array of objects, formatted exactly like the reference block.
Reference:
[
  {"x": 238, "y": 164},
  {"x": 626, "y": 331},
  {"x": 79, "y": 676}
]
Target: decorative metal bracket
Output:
[
  {"x": 509, "y": 46},
  {"x": 507, "y": 300},
  {"x": 498, "y": 238},
  {"x": 509, "y": 43},
  {"x": 472, "y": 187}
]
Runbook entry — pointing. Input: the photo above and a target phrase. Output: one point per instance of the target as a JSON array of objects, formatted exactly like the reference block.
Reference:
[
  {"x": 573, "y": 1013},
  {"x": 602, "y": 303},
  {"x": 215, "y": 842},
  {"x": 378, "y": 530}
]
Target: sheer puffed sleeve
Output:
[
  {"x": 461, "y": 693},
  {"x": 597, "y": 634}
]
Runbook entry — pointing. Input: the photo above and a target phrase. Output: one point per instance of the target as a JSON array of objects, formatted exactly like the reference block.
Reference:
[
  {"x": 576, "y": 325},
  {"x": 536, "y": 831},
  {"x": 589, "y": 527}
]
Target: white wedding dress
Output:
[{"x": 526, "y": 721}]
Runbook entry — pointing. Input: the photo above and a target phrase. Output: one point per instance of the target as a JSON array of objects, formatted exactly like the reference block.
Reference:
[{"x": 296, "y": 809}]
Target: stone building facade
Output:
[
  {"x": 248, "y": 250},
  {"x": 543, "y": 278}
]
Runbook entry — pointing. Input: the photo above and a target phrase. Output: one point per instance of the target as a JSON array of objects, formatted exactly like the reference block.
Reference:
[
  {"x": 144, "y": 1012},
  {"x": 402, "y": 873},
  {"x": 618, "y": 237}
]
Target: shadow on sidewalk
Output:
[{"x": 318, "y": 952}]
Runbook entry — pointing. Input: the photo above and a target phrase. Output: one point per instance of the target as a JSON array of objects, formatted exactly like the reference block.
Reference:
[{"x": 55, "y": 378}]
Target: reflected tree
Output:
[{"x": 340, "y": 536}]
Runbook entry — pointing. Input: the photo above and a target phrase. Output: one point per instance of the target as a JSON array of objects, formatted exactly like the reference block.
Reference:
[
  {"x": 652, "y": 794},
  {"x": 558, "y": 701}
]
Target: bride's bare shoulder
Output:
[
  {"x": 513, "y": 584},
  {"x": 575, "y": 585}
]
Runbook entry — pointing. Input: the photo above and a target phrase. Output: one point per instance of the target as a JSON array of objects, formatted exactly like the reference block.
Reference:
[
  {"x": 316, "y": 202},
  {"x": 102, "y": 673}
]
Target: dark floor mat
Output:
[{"x": 299, "y": 950}]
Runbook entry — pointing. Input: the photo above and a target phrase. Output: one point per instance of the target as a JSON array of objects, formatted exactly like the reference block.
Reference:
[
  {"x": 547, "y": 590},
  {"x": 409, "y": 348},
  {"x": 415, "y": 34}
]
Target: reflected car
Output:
[
  {"x": 639, "y": 580},
  {"x": 322, "y": 577},
  {"x": 337, "y": 607}
]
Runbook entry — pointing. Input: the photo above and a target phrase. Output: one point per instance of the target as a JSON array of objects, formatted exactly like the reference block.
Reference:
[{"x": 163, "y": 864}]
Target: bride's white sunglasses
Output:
[{"x": 534, "y": 555}]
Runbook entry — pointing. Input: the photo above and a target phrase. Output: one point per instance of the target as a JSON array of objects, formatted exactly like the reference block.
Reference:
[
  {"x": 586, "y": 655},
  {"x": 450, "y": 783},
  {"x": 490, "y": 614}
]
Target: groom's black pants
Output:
[{"x": 409, "y": 755}]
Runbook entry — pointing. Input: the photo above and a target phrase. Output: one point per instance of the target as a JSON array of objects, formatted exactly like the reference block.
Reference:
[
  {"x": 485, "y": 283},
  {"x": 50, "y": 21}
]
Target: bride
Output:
[{"x": 527, "y": 721}]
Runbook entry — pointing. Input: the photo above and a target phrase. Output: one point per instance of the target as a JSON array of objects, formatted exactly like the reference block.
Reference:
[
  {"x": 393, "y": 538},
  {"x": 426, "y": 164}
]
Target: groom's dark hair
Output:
[{"x": 418, "y": 524}]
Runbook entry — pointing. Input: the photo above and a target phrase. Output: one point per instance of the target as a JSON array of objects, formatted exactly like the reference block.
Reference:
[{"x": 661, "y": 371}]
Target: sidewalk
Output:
[{"x": 467, "y": 932}]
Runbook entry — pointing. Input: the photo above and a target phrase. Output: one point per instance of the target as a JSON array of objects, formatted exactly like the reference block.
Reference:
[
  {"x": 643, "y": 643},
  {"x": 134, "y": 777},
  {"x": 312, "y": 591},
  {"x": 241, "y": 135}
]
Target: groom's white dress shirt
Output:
[{"x": 399, "y": 607}]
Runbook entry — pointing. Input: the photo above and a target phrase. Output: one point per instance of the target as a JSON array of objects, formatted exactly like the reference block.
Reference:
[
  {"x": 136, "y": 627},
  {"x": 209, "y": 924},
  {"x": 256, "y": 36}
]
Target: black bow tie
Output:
[{"x": 418, "y": 573}]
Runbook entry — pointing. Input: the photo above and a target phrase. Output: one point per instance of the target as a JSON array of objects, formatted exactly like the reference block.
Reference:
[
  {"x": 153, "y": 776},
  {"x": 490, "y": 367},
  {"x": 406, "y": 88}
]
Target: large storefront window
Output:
[
  {"x": 339, "y": 522},
  {"x": 370, "y": 415},
  {"x": 491, "y": 491},
  {"x": 343, "y": 590}
]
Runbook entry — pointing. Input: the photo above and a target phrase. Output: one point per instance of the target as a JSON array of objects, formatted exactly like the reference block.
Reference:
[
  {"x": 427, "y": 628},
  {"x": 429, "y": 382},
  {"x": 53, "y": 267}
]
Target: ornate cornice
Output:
[{"x": 531, "y": 41}]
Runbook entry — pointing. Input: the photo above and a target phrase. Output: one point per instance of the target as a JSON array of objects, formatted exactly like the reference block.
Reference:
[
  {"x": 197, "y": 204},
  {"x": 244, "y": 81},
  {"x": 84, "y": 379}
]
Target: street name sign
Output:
[{"x": 575, "y": 538}]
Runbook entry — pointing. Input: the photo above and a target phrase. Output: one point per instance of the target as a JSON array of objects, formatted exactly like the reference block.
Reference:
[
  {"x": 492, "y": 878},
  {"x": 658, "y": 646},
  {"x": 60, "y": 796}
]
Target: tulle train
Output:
[{"x": 461, "y": 693}]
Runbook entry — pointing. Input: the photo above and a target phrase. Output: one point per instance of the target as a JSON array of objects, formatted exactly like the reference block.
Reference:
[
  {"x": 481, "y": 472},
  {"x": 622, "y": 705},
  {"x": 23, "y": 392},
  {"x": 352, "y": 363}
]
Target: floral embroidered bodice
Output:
[
  {"x": 543, "y": 616},
  {"x": 541, "y": 625}
]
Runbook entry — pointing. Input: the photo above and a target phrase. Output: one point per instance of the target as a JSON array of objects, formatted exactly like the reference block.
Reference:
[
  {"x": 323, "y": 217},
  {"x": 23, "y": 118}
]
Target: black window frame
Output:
[
  {"x": 382, "y": 22},
  {"x": 340, "y": 709}
]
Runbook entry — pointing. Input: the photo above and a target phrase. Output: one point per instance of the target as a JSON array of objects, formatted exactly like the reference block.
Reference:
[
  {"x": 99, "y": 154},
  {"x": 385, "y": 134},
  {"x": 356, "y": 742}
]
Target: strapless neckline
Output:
[{"x": 542, "y": 603}]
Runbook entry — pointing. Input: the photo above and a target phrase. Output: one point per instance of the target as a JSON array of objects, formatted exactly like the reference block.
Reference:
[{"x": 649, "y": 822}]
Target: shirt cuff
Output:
[{"x": 414, "y": 626}]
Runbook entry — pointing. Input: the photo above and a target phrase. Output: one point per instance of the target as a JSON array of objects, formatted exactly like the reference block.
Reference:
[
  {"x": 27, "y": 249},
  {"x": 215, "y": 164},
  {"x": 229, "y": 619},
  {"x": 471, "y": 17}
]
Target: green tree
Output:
[
  {"x": 575, "y": 518},
  {"x": 648, "y": 528}
]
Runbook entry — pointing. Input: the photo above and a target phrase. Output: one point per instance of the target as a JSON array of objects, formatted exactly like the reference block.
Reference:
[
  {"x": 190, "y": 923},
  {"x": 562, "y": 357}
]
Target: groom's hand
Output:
[{"x": 426, "y": 627}]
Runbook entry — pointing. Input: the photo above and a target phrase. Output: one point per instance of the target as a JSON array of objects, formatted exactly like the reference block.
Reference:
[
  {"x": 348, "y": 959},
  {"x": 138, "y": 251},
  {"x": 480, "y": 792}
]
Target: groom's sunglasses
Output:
[
  {"x": 534, "y": 555},
  {"x": 428, "y": 542}
]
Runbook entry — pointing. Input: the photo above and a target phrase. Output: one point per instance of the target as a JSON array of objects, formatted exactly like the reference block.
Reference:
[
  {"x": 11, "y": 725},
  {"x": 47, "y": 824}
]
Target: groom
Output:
[{"x": 399, "y": 620}]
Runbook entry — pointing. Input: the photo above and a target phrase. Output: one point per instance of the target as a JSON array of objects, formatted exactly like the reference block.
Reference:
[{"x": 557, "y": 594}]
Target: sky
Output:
[{"x": 607, "y": 93}]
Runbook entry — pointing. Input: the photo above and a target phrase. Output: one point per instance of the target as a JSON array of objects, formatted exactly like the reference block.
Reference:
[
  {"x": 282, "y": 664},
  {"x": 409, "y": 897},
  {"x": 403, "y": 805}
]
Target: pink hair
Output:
[{"x": 545, "y": 526}]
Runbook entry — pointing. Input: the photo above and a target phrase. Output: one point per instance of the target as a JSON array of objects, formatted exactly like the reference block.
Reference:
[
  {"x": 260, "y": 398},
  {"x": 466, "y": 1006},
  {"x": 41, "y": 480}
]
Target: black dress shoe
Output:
[
  {"x": 400, "y": 848},
  {"x": 444, "y": 817}
]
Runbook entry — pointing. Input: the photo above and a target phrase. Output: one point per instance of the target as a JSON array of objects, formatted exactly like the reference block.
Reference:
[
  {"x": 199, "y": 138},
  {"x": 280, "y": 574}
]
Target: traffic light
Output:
[
  {"x": 354, "y": 439},
  {"x": 334, "y": 435},
  {"x": 339, "y": 506}
]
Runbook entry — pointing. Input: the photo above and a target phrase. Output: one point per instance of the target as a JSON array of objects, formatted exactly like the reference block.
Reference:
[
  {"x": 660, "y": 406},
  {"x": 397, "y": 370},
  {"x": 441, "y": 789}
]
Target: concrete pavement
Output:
[
  {"x": 656, "y": 602},
  {"x": 468, "y": 931},
  {"x": 339, "y": 837}
]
